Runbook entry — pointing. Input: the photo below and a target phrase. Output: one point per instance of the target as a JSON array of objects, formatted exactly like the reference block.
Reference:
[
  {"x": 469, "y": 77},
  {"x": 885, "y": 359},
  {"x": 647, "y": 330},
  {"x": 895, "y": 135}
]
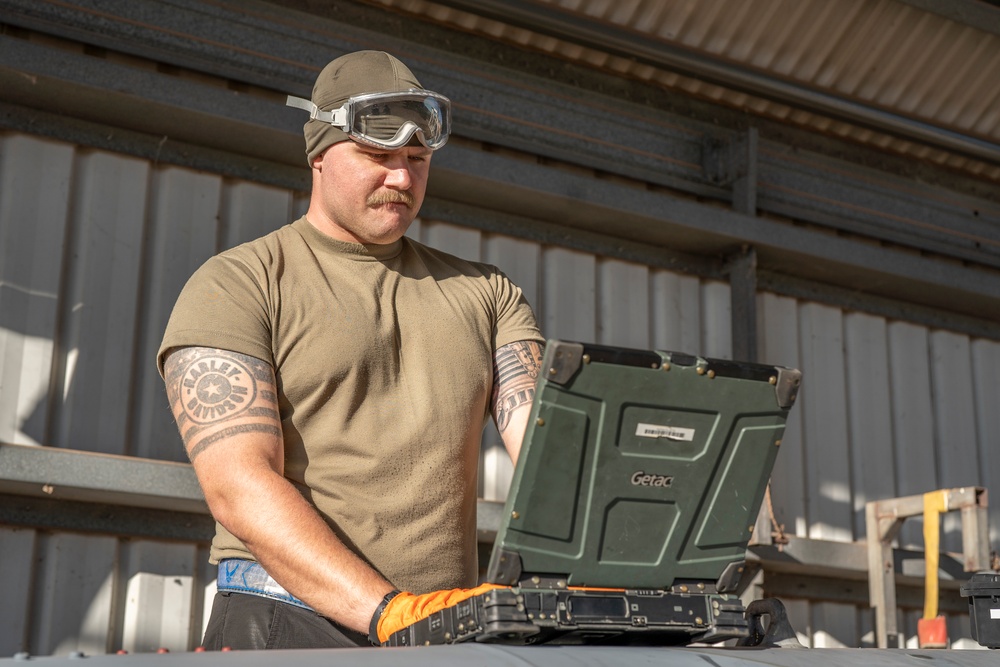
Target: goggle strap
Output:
[{"x": 336, "y": 117}]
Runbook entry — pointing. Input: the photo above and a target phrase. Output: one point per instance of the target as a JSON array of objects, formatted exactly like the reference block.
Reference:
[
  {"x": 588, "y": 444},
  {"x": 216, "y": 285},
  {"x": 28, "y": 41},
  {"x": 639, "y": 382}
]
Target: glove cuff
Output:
[{"x": 373, "y": 625}]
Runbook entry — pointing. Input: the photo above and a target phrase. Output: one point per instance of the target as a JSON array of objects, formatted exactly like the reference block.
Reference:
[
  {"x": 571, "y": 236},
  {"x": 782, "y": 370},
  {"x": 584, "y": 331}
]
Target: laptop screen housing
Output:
[{"x": 640, "y": 469}]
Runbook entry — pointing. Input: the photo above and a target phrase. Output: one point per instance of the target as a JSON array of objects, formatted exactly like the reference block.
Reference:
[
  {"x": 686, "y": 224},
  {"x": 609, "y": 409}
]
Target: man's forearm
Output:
[{"x": 296, "y": 547}]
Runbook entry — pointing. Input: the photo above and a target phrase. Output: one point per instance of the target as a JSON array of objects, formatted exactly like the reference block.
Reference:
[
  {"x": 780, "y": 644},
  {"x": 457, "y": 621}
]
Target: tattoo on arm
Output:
[
  {"x": 229, "y": 432},
  {"x": 216, "y": 394},
  {"x": 515, "y": 370}
]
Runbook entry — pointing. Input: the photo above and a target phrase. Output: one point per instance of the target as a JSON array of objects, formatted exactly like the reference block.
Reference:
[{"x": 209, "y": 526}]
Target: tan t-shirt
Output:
[{"x": 384, "y": 364}]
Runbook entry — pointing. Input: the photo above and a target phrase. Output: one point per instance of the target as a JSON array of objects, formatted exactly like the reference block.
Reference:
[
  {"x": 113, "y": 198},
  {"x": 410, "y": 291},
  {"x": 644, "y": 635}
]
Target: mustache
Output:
[{"x": 390, "y": 197}]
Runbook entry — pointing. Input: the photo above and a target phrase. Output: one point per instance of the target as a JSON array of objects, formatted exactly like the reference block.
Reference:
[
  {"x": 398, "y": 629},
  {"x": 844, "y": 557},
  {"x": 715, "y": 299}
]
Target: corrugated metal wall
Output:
[
  {"x": 95, "y": 246},
  {"x": 888, "y": 409}
]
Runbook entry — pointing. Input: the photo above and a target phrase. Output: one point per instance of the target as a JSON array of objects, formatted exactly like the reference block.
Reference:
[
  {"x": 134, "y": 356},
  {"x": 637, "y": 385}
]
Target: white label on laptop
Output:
[
  {"x": 994, "y": 614},
  {"x": 668, "y": 432}
]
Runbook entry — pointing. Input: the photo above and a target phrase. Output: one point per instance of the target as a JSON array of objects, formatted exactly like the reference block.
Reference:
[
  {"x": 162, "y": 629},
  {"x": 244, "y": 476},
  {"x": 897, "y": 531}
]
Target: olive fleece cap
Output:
[{"x": 350, "y": 75}]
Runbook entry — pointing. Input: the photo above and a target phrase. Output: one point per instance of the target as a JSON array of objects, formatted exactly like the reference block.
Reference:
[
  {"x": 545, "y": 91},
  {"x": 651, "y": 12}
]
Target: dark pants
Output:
[{"x": 240, "y": 621}]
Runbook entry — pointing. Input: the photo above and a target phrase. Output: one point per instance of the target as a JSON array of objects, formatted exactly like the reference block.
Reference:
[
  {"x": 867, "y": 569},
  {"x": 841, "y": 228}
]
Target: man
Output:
[{"x": 331, "y": 381}]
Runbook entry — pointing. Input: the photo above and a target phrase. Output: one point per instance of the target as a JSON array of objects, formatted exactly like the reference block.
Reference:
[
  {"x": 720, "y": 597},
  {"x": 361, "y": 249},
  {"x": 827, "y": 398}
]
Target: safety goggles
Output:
[{"x": 388, "y": 120}]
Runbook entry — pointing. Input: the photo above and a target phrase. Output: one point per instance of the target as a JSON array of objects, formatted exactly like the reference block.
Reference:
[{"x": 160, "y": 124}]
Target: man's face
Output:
[{"x": 368, "y": 195}]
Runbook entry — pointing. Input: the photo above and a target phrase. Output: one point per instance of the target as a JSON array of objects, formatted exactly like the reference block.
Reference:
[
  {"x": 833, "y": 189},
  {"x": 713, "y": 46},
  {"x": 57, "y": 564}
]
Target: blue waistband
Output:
[{"x": 246, "y": 576}]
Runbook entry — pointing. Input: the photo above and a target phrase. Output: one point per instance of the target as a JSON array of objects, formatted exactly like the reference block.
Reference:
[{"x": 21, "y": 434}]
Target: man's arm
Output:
[
  {"x": 225, "y": 406},
  {"x": 515, "y": 370}
]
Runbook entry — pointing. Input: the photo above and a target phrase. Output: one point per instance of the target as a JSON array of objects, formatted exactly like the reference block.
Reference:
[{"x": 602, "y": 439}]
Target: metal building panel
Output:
[
  {"x": 676, "y": 312},
  {"x": 160, "y": 558},
  {"x": 623, "y": 304},
  {"x": 912, "y": 418},
  {"x": 836, "y": 625},
  {"x": 158, "y": 589},
  {"x": 569, "y": 285},
  {"x": 35, "y": 181},
  {"x": 459, "y": 241},
  {"x": 157, "y": 613},
  {"x": 519, "y": 260},
  {"x": 986, "y": 370},
  {"x": 716, "y": 320},
  {"x": 17, "y": 559},
  {"x": 959, "y": 633},
  {"x": 250, "y": 211},
  {"x": 300, "y": 204},
  {"x": 824, "y": 407},
  {"x": 72, "y": 610},
  {"x": 26, "y": 364},
  {"x": 209, "y": 590},
  {"x": 800, "y": 618},
  {"x": 495, "y": 467},
  {"x": 869, "y": 412},
  {"x": 956, "y": 450},
  {"x": 182, "y": 225},
  {"x": 909, "y": 627},
  {"x": 415, "y": 229},
  {"x": 779, "y": 344},
  {"x": 99, "y": 305},
  {"x": 866, "y": 628}
]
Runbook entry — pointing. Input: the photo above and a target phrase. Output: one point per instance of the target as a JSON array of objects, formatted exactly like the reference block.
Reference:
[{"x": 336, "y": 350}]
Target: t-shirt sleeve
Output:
[
  {"x": 223, "y": 305},
  {"x": 515, "y": 319}
]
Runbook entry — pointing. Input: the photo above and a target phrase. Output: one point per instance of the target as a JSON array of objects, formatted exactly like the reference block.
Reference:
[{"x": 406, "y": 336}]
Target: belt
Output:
[{"x": 237, "y": 575}]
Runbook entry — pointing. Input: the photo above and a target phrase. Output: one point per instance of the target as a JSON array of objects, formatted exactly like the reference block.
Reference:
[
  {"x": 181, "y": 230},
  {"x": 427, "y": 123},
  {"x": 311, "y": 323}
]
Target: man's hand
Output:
[{"x": 406, "y": 608}]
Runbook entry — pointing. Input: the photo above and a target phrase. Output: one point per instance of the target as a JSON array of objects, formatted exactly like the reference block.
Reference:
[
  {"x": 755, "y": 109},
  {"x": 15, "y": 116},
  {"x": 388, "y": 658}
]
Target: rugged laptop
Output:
[{"x": 634, "y": 496}]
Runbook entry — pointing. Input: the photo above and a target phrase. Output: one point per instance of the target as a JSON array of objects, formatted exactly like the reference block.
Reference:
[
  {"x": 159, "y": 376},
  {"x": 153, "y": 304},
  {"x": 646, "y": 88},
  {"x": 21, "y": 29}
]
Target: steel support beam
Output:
[
  {"x": 909, "y": 594},
  {"x": 52, "y": 515},
  {"x": 78, "y": 476},
  {"x": 733, "y": 163},
  {"x": 743, "y": 304}
]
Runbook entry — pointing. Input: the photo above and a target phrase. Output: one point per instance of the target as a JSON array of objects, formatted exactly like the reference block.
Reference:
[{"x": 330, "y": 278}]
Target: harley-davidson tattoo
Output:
[{"x": 215, "y": 394}]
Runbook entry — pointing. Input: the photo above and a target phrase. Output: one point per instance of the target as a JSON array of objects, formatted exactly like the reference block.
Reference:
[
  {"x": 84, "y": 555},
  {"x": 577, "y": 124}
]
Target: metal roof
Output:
[{"x": 914, "y": 77}]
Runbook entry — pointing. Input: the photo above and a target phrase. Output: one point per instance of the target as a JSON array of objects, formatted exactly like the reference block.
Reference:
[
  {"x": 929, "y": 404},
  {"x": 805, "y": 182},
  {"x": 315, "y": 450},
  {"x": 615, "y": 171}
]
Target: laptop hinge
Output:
[
  {"x": 786, "y": 386},
  {"x": 505, "y": 568},
  {"x": 730, "y": 579},
  {"x": 566, "y": 360}
]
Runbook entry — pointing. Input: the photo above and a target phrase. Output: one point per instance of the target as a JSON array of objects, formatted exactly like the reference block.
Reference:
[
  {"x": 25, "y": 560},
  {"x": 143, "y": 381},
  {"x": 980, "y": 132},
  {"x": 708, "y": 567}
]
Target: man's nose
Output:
[{"x": 399, "y": 177}]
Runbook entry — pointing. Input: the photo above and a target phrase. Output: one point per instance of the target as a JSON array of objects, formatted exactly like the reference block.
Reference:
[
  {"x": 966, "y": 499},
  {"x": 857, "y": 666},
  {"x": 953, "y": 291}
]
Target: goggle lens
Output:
[
  {"x": 388, "y": 120},
  {"x": 392, "y": 122}
]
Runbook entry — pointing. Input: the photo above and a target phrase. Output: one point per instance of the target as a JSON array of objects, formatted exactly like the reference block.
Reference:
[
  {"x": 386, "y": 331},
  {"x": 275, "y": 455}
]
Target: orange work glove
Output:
[{"x": 406, "y": 608}]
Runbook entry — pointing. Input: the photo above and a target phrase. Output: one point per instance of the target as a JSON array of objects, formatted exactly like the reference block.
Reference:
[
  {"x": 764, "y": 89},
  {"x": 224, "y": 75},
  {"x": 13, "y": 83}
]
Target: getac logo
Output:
[{"x": 640, "y": 478}]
